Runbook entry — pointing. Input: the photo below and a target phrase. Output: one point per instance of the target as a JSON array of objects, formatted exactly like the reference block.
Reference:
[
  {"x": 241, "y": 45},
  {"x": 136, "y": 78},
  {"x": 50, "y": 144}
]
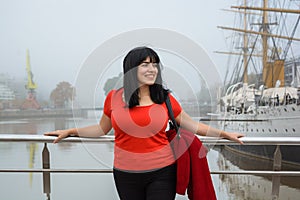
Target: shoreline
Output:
[{"x": 42, "y": 113}]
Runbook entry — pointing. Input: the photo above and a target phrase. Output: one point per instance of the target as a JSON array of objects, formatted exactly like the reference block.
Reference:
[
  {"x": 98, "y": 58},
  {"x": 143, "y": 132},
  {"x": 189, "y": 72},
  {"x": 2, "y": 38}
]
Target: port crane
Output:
[{"x": 31, "y": 86}]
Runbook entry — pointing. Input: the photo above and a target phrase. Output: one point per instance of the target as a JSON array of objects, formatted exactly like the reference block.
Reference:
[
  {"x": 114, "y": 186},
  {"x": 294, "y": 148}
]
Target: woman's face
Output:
[{"x": 147, "y": 72}]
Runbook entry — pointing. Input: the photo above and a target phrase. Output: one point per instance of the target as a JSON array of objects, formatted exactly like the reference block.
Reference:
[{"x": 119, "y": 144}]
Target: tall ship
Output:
[{"x": 261, "y": 89}]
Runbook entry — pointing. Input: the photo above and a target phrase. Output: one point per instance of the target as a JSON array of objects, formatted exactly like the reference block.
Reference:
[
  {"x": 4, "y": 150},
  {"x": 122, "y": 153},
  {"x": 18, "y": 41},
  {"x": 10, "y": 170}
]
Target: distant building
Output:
[
  {"x": 7, "y": 95},
  {"x": 292, "y": 72}
]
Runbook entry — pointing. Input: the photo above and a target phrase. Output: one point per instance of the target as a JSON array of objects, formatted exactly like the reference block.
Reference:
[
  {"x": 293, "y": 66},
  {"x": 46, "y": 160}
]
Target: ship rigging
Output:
[
  {"x": 261, "y": 98},
  {"x": 268, "y": 33}
]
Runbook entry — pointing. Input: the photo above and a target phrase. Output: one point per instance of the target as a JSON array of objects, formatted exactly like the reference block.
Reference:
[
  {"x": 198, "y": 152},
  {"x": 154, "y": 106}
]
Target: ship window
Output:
[
  {"x": 251, "y": 130},
  {"x": 285, "y": 110},
  {"x": 294, "y": 130},
  {"x": 263, "y": 130},
  {"x": 286, "y": 130},
  {"x": 256, "y": 130},
  {"x": 270, "y": 130},
  {"x": 275, "y": 130},
  {"x": 293, "y": 108}
]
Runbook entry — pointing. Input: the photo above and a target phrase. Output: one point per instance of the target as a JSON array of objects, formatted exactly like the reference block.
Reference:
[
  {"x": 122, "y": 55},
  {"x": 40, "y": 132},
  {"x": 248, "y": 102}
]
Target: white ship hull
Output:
[{"x": 268, "y": 121}]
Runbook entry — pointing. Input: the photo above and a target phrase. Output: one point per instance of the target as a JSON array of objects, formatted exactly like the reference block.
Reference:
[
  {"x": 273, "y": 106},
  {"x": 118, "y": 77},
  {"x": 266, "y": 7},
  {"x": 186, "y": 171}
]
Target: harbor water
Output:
[{"x": 77, "y": 186}]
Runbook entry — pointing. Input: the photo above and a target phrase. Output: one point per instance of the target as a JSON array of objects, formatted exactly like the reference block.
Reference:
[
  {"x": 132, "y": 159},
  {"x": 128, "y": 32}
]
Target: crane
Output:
[
  {"x": 30, "y": 102},
  {"x": 31, "y": 86}
]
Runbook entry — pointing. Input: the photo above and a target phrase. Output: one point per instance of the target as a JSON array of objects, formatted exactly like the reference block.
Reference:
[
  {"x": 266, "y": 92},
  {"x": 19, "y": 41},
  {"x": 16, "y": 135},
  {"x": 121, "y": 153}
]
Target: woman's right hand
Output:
[{"x": 61, "y": 134}]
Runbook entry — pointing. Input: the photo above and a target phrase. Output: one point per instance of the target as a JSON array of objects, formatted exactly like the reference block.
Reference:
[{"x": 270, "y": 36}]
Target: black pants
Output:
[{"x": 155, "y": 185}]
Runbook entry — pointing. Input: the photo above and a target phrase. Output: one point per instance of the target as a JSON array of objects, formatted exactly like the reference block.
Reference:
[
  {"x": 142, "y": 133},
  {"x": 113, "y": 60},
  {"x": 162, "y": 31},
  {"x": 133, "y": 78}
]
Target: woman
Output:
[{"x": 144, "y": 165}]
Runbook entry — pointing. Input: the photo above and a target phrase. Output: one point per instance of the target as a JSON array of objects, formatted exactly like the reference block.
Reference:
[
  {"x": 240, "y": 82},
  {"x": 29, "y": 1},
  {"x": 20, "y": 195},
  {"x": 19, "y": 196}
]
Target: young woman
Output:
[{"x": 144, "y": 165}]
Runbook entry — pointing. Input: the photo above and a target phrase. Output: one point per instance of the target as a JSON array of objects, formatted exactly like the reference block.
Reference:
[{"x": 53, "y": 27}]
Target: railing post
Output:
[
  {"x": 46, "y": 175},
  {"x": 276, "y": 178}
]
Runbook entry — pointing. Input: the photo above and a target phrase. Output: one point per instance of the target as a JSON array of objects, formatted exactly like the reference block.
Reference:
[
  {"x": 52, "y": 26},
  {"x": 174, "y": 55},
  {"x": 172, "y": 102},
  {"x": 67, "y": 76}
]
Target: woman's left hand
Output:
[{"x": 233, "y": 136}]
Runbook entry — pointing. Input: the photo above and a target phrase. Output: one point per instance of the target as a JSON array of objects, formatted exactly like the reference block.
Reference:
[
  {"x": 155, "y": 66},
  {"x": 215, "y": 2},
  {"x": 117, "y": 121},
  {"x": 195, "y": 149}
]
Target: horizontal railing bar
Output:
[
  {"x": 255, "y": 172},
  {"x": 50, "y": 139},
  {"x": 246, "y": 172},
  {"x": 108, "y": 138},
  {"x": 56, "y": 170}
]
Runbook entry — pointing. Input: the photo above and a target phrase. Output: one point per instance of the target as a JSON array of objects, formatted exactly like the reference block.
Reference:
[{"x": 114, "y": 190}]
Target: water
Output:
[{"x": 15, "y": 186}]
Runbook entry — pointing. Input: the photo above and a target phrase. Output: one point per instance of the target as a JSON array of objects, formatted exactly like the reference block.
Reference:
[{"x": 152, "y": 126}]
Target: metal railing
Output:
[{"x": 276, "y": 173}]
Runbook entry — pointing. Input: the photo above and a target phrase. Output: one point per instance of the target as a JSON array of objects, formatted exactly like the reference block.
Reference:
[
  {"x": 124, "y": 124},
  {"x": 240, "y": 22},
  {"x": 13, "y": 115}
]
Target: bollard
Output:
[
  {"x": 46, "y": 175},
  {"x": 276, "y": 178}
]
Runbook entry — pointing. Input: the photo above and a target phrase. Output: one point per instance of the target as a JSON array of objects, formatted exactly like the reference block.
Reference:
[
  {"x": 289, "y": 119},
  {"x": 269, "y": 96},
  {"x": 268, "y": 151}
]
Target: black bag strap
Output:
[{"x": 171, "y": 116}]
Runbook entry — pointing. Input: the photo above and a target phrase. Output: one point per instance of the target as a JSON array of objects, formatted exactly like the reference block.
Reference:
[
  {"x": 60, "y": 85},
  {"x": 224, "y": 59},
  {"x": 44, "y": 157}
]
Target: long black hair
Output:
[{"x": 132, "y": 60}]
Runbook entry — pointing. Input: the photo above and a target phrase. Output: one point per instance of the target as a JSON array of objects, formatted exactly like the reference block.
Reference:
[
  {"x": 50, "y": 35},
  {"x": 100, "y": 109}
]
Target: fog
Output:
[{"x": 62, "y": 34}]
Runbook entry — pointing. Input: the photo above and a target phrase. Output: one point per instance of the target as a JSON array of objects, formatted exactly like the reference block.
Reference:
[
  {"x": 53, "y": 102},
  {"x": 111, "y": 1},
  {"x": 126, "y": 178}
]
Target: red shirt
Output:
[{"x": 141, "y": 143}]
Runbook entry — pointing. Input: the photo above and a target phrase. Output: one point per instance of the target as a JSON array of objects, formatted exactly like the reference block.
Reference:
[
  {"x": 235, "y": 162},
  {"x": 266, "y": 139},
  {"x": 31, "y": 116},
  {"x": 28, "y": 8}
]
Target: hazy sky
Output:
[{"x": 60, "y": 34}]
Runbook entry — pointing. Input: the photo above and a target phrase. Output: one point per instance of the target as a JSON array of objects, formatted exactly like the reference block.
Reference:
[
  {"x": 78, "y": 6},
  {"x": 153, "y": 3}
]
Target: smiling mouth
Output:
[{"x": 150, "y": 76}]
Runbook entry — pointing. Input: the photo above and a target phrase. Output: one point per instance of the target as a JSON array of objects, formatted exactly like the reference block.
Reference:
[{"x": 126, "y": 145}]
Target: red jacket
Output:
[{"x": 193, "y": 172}]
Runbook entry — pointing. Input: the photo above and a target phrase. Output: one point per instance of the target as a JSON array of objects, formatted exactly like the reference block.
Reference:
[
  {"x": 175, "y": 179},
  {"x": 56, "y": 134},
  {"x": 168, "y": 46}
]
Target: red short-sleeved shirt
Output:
[{"x": 141, "y": 143}]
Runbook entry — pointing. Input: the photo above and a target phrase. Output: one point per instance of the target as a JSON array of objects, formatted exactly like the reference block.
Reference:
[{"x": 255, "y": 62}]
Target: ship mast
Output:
[
  {"x": 264, "y": 36},
  {"x": 245, "y": 49},
  {"x": 281, "y": 10},
  {"x": 259, "y": 33},
  {"x": 272, "y": 65}
]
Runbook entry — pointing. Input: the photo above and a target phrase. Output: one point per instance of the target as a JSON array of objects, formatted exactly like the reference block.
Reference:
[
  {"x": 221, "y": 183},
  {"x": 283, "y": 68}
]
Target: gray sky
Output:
[{"x": 60, "y": 34}]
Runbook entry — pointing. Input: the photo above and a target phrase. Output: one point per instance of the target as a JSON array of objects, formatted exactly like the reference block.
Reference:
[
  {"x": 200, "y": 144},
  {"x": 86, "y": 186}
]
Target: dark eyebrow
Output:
[{"x": 148, "y": 62}]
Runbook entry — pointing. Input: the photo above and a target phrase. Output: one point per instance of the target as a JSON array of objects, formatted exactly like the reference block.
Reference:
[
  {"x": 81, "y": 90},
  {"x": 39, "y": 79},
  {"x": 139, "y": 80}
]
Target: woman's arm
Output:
[
  {"x": 188, "y": 123},
  {"x": 97, "y": 130}
]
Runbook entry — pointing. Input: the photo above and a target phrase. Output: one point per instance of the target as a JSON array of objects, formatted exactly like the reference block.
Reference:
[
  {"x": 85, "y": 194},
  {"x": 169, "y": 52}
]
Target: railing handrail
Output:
[
  {"x": 227, "y": 172},
  {"x": 108, "y": 138},
  {"x": 46, "y": 171}
]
